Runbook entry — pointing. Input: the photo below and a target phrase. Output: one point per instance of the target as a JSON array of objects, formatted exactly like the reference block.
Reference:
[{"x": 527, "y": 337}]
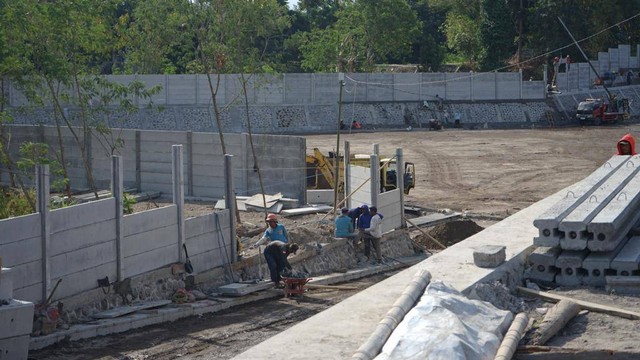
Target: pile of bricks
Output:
[{"x": 587, "y": 236}]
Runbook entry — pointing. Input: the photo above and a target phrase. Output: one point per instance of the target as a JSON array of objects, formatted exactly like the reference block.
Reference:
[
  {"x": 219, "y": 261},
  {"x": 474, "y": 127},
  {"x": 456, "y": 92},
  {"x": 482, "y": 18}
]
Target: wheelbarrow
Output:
[{"x": 294, "y": 286}]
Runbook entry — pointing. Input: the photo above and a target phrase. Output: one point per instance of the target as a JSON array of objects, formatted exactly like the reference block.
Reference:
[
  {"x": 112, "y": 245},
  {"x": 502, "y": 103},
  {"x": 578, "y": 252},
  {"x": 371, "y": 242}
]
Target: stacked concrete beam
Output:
[
  {"x": 570, "y": 264},
  {"x": 549, "y": 221},
  {"x": 626, "y": 262},
  {"x": 613, "y": 223},
  {"x": 543, "y": 264},
  {"x": 597, "y": 265},
  {"x": 574, "y": 225}
]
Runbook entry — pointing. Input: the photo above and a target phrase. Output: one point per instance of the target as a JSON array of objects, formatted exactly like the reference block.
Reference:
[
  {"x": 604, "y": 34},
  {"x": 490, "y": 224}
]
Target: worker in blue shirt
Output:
[
  {"x": 344, "y": 226},
  {"x": 274, "y": 232}
]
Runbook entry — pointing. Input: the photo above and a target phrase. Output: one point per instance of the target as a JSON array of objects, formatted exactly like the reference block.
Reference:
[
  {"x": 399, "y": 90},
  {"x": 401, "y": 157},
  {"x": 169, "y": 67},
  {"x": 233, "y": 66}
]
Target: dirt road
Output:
[{"x": 490, "y": 172}]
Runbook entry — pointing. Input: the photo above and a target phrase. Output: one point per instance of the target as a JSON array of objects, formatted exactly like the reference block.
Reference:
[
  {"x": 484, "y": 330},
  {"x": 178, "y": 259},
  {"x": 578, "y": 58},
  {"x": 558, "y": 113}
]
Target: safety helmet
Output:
[{"x": 271, "y": 217}]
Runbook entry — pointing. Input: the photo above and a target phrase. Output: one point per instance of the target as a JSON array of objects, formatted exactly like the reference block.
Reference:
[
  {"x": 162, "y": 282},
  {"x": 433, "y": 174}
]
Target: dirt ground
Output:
[{"x": 489, "y": 174}]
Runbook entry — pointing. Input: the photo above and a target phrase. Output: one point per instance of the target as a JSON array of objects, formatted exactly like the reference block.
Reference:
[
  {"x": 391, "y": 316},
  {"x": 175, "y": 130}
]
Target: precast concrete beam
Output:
[
  {"x": 626, "y": 263},
  {"x": 570, "y": 264},
  {"x": 574, "y": 225},
  {"x": 547, "y": 223},
  {"x": 543, "y": 263},
  {"x": 598, "y": 265},
  {"x": 613, "y": 223}
]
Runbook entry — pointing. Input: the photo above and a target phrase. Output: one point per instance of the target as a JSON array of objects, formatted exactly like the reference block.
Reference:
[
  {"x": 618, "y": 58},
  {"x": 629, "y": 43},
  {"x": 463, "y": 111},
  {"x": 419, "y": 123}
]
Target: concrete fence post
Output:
[
  {"x": 495, "y": 85},
  {"x": 521, "y": 84},
  {"x": 138, "y": 162},
  {"x": 42, "y": 187},
  {"x": 347, "y": 174},
  {"x": 178, "y": 194},
  {"x": 116, "y": 190},
  {"x": 190, "y": 163},
  {"x": 544, "y": 80},
  {"x": 400, "y": 183},
  {"x": 376, "y": 149},
  {"x": 230, "y": 203},
  {"x": 375, "y": 179}
]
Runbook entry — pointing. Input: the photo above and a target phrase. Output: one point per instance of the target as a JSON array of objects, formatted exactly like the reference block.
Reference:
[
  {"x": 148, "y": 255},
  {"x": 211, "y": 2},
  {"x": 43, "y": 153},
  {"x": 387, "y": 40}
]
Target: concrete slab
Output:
[
  {"x": 613, "y": 223},
  {"x": 6, "y": 284},
  {"x": 548, "y": 221},
  {"x": 241, "y": 289},
  {"x": 543, "y": 263},
  {"x": 307, "y": 210},
  {"x": 124, "y": 310},
  {"x": 626, "y": 262},
  {"x": 337, "y": 332},
  {"x": 574, "y": 225},
  {"x": 570, "y": 264},
  {"x": 489, "y": 256},
  {"x": 434, "y": 219}
]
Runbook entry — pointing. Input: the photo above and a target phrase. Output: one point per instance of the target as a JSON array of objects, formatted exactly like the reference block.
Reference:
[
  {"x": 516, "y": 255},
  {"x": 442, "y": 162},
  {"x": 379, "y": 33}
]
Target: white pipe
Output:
[
  {"x": 512, "y": 338},
  {"x": 400, "y": 308}
]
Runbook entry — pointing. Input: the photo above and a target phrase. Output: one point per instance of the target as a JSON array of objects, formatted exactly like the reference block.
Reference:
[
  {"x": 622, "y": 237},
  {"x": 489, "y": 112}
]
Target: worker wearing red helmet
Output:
[
  {"x": 277, "y": 250},
  {"x": 274, "y": 231}
]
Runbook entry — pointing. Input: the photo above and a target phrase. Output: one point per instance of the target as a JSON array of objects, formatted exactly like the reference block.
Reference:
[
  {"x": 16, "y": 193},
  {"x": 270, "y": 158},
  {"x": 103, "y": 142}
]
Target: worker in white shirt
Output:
[{"x": 373, "y": 234}]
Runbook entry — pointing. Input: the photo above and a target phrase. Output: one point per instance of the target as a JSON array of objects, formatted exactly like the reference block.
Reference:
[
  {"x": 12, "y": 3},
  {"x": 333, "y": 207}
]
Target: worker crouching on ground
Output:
[
  {"x": 276, "y": 254},
  {"x": 344, "y": 226},
  {"x": 370, "y": 225},
  {"x": 627, "y": 145}
]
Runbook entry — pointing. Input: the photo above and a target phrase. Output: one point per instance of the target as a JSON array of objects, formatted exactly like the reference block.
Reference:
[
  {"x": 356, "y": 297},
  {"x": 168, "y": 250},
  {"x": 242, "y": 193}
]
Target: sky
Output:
[{"x": 292, "y": 3}]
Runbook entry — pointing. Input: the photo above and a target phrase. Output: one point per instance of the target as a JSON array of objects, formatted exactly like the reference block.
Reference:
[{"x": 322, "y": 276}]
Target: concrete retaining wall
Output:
[{"x": 20, "y": 249}]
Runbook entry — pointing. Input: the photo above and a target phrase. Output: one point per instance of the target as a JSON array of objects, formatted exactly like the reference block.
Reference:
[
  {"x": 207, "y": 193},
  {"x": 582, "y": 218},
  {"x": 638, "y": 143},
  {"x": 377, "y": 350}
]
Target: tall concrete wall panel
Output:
[
  {"x": 325, "y": 88},
  {"x": 614, "y": 59},
  {"x": 380, "y": 87},
  {"x": 180, "y": 90},
  {"x": 533, "y": 89},
  {"x": 407, "y": 87},
  {"x": 433, "y": 84},
  {"x": 156, "y": 80},
  {"x": 389, "y": 207},
  {"x": 508, "y": 84},
  {"x": 20, "y": 246},
  {"x": 624, "y": 56},
  {"x": 101, "y": 158},
  {"x": 584, "y": 75},
  {"x": 458, "y": 86},
  {"x": 298, "y": 89},
  {"x": 355, "y": 89},
  {"x": 268, "y": 88},
  {"x": 604, "y": 63},
  {"x": 150, "y": 240},
  {"x": 205, "y": 238},
  {"x": 360, "y": 175}
]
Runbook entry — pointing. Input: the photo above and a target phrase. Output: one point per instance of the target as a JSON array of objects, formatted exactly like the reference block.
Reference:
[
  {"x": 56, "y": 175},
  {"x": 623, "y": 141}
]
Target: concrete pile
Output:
[{"x": 588, "y": 234}]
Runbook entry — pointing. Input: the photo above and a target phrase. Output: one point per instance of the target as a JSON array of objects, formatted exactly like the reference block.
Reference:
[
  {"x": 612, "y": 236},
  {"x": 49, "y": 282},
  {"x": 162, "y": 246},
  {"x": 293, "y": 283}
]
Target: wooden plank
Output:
[
  {"x": 586, "y": 305},
  {"x": 124, "y": 310}
]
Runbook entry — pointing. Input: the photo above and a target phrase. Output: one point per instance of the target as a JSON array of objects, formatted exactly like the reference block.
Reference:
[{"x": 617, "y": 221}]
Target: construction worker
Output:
[
  {"x": 276, "y": 254},
  {"x": 355, "y": 213},
  {"x": 274, "y": 231},
  {"x": 627, "y": 145},
  {"x": 344, "y": 225},
  {"x": 372, "y": 234}
]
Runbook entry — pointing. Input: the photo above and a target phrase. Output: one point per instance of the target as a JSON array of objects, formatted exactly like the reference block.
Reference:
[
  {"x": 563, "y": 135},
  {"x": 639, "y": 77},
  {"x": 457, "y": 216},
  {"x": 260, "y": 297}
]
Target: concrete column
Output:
[
  {"x": 520, "y": 72},
  {"x": 190, "y": 163},
  {"x": 230, "y": 203},
  {"x": 138, "y": 162},
  {"x": 495, "y": 85},
  {"x": 544, "y": 80},
  {"x": 178, "y": 194},
  {"x": 347, "y": 174},
  {"x": 89, "y": 156},
  {"x": 42, "y": 187},
  {"x": 375, "y": 179},
  {"x": 472, "y": 78},
  {"x": 116, "y": 190},
  {"x": 376, "y": 149},
  {"x": 400, "y": 183}
]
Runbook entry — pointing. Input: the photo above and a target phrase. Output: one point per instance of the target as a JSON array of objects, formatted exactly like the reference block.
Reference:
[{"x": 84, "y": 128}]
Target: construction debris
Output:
[{"x": 555, "y": 319}]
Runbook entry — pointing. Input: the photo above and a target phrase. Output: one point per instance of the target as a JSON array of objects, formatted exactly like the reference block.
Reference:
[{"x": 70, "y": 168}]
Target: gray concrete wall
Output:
[
  {"x": 147, "y": 158},
  {"x": 389, "y": 207},
  {"x": 82, "y": 246},
  {"x": 20, "y": 249},
  {"x": 581, "y": 77}
]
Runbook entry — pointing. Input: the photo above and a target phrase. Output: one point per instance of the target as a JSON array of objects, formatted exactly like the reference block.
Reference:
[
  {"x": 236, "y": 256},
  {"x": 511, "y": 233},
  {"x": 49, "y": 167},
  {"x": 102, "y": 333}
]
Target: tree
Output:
[
  {"x": 463, "y": 36},
  {"x": 497, "y": 33}
]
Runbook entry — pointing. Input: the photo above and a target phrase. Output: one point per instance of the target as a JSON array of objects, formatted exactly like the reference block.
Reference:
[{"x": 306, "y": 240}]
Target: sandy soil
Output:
[{"x": 485, "y": 173}]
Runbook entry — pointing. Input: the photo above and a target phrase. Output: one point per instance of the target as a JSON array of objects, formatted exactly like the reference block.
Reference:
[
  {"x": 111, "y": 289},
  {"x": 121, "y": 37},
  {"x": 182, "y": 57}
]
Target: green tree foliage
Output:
[
  {"x": 463, "y": 36},
  {"x": 497, "y": 34}
]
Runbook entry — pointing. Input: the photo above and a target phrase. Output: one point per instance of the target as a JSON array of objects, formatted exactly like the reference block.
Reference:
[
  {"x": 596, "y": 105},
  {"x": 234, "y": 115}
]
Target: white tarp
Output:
[{"x": 447, "y": 325}]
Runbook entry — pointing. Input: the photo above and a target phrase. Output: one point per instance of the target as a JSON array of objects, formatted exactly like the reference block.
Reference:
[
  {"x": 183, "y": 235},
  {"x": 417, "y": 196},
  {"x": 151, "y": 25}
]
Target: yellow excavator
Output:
[{"x": 321, "y": 171}]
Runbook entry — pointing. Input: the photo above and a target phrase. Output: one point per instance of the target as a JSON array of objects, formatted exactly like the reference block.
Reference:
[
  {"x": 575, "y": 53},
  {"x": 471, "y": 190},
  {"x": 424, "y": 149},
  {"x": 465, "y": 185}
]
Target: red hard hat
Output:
[{"x": 271, "y": 217}]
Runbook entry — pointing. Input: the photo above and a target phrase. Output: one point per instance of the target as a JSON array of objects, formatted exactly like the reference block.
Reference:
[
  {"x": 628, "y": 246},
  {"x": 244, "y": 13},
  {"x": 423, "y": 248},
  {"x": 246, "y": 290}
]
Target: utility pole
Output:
[{"x": 336, "y": 175}]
